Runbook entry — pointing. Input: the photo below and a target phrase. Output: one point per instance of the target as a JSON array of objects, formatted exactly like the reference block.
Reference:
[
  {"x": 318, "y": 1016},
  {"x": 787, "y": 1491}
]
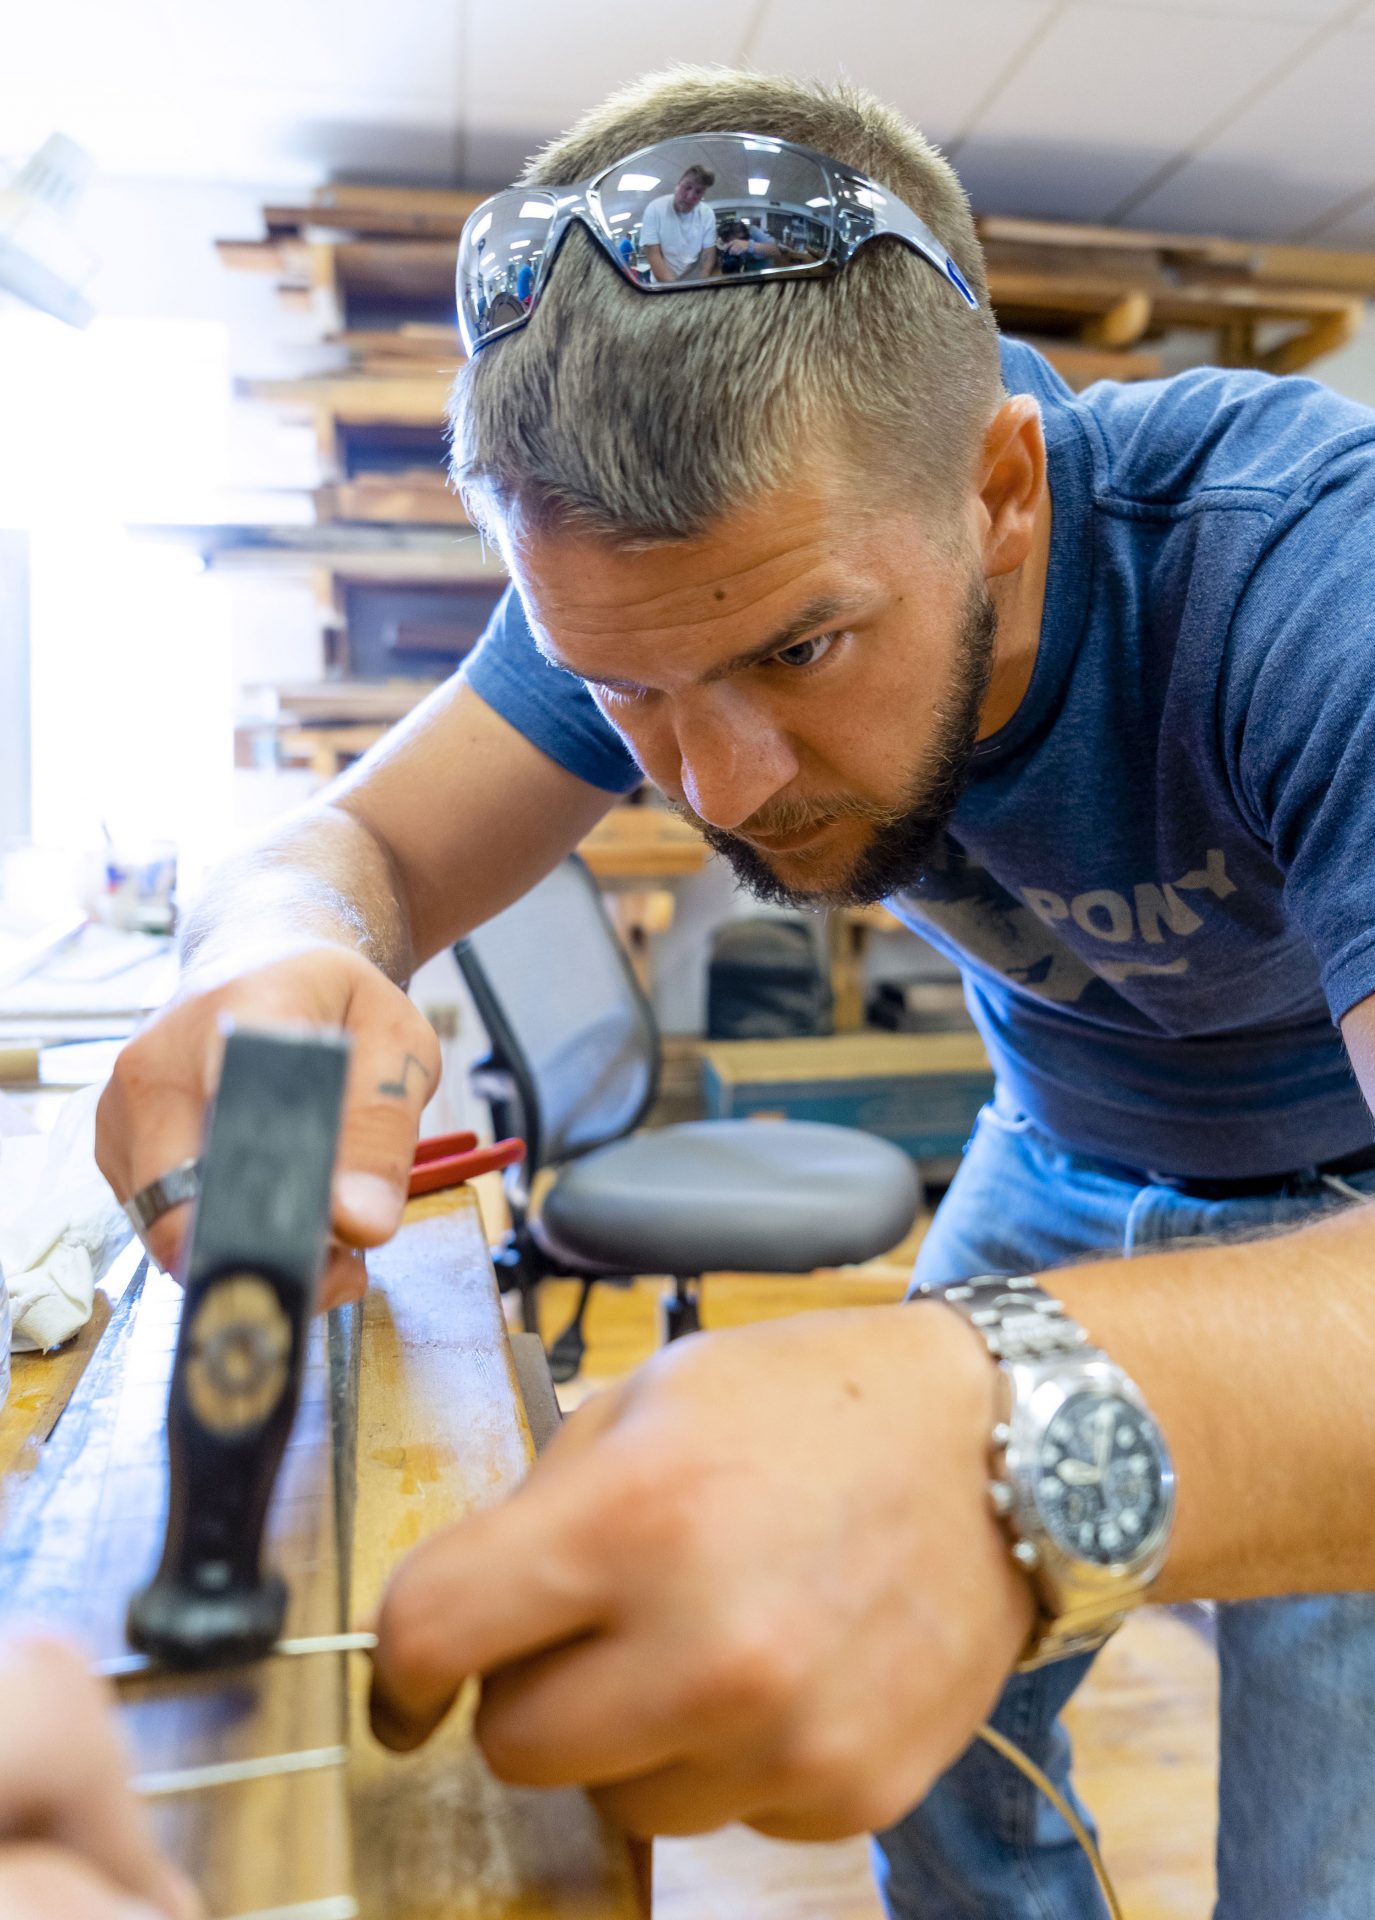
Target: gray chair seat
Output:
[{"x": 752, "y": 1195}]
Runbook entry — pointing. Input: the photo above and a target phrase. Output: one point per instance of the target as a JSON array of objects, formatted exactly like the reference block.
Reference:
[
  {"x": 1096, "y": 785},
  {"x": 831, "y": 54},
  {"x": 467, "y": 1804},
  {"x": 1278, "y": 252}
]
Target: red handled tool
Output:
[{"x": 451, "y": 1158}]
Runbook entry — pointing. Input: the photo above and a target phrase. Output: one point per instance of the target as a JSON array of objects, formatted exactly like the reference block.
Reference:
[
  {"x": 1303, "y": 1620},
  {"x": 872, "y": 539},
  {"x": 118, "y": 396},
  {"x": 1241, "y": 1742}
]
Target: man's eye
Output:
[{"x": 806, "y": 653}]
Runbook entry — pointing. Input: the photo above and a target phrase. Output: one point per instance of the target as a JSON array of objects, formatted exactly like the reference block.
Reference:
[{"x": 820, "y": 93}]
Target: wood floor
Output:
[{"x": 1144, "y": 1725}]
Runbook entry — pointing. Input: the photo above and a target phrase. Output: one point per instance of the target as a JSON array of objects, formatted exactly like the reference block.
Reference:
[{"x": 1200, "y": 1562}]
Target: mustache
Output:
[{"x": 783, "y": 817}]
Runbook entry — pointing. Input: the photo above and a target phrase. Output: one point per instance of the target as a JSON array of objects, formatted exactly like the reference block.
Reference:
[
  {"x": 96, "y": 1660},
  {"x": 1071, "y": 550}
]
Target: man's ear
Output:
[{"x": 1012, "y": 484}]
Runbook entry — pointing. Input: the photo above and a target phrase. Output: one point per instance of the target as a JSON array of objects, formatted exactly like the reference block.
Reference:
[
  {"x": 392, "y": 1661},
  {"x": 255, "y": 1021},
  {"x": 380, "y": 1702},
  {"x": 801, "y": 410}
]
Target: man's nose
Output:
[{"x": 731, "y": 761}]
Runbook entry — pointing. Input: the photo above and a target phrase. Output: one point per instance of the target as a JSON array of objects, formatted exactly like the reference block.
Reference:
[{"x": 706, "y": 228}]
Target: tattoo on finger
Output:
[{"x": 400, "y": 1087}]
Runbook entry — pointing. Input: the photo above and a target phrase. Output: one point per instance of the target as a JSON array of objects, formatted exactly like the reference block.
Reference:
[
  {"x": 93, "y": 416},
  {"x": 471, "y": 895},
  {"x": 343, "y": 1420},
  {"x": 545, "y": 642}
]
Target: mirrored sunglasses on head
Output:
[{"x": 706, "y": 210}]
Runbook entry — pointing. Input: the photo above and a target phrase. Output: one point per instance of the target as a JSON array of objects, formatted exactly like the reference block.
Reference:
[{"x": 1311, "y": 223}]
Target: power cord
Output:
[{"x": 1015, "y": 1757}]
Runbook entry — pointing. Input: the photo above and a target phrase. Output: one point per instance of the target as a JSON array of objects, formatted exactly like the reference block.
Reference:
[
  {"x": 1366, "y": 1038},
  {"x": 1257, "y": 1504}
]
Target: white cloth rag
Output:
[{"x": 60, "y": 1226}]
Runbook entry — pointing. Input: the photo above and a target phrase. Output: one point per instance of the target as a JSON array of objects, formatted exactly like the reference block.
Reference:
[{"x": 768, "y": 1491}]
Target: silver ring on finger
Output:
[{"x": 172, "y": 1189}]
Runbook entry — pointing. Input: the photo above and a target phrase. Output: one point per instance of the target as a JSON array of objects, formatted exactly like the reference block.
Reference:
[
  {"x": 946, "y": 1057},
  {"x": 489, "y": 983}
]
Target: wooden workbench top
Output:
[{"x": 441, "y": 1429}]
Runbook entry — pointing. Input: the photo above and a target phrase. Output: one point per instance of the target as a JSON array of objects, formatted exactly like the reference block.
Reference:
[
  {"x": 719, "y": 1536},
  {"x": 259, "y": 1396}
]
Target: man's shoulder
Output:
[{"x": 1210, "y": 436}]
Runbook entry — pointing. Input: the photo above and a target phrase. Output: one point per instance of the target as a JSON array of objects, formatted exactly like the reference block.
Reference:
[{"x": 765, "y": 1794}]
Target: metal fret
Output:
[
  {"x": 229, "y": 1773},
  {"x": 137, "y": 1666},
  {"x": 338, "y": 1907}
]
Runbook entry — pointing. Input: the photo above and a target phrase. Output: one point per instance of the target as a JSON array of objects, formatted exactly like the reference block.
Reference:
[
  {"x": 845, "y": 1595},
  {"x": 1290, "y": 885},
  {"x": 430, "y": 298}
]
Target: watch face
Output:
[{"x": 1099, "y": 1483}]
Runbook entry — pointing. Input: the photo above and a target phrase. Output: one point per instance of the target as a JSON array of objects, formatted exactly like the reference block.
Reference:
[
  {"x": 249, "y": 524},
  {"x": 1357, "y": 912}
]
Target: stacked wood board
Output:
[{"x": 375, "y": 265}]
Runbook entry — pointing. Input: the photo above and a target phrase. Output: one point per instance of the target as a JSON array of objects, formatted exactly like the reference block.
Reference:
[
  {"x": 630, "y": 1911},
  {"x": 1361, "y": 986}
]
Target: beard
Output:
[{"x": 904, "y": 837}]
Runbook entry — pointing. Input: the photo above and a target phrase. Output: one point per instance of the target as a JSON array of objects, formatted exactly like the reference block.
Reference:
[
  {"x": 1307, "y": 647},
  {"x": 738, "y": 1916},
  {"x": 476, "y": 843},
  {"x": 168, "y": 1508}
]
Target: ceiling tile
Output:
[
  {"x": 531, "y": 70},
  {"x": 537, "y": 60},
  {"x": 1105, "y": 99},
  {"x": 1288, "y": 159},
  {"x": 934, "y": 61},
  {"x": 366, "y": 53},
  {"x": 1355, "y": 227}
]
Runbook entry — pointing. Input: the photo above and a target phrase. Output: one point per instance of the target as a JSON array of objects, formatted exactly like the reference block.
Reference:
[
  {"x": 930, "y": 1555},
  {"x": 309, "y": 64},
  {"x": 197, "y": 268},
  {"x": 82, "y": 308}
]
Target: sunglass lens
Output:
[
  {"x": 499, "y": 261},
  {"x": 757, "y": 202}
]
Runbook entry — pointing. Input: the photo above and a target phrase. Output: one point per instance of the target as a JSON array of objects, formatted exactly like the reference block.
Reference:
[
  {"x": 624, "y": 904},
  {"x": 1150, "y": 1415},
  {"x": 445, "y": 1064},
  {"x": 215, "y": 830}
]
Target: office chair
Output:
[{"x": 573, "y": 1069}]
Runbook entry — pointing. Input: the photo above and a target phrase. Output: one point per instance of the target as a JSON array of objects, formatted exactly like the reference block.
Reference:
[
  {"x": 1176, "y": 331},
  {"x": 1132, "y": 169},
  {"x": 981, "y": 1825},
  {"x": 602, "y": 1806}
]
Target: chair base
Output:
[
  {"x": 680, "y": 1312},
  {"x": 521, "y": 1264}
]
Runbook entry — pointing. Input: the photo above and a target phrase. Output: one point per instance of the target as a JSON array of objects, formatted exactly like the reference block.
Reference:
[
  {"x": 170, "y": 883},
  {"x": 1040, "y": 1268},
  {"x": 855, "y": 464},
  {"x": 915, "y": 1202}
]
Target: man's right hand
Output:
[
  {"x": 74, "y": 1843},
  {"x": 152, "y": 1114}
]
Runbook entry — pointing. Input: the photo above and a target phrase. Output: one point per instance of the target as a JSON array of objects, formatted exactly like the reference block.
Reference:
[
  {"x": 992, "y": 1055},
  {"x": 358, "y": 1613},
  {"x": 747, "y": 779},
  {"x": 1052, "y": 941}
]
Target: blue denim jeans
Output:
[{"x": 1297, "y": 1764}]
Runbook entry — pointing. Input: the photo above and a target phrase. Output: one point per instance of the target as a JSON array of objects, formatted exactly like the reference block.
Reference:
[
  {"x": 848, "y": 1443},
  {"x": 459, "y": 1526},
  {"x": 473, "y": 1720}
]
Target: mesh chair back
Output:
[{"x": 565, "y": 1015}]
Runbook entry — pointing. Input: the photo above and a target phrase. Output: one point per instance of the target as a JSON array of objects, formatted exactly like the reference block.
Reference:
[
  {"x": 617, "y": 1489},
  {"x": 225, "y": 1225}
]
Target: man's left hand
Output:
[{"x": 759, "y": 1581}]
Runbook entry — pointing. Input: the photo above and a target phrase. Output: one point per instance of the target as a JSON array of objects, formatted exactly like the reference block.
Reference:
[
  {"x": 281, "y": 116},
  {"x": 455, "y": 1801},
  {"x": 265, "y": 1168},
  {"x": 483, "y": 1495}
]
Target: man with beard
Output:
[{"x": 1082, "y": 686}]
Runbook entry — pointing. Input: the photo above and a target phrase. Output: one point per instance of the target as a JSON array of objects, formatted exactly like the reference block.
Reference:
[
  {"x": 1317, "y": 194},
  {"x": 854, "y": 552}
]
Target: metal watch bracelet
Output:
[{"x": 1025, "y": 1327}]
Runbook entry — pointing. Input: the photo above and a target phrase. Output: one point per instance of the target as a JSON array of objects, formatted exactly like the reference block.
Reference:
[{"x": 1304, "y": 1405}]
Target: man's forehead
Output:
[{"x": 606, "y": 612}]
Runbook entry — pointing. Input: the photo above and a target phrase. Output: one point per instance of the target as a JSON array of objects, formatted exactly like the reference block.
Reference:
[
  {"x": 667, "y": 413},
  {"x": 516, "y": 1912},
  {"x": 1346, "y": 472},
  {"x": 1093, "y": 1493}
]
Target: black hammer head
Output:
[{"x": 257, "y": 1247}]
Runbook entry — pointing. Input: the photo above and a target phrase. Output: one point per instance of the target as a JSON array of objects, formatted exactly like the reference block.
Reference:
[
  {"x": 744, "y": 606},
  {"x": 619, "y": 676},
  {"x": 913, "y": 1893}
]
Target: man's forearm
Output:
[
  {"x": 1257, "y": 1359},
  {"x": 321, "y": 877}
]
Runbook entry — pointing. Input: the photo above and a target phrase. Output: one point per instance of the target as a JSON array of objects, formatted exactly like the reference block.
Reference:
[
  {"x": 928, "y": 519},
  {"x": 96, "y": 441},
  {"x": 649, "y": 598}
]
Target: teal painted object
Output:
[{"x": 923, "y": 1100}]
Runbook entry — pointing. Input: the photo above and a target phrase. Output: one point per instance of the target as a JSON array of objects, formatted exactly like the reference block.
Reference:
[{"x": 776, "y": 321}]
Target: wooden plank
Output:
[
  {"x": 442, "y": 1432},
  {"x": 382, "y": 701},
  {"x": 349, "y": 552},
  {"x": 1314, "y": 342},
  {"x": 414, "y": 399},
  {"x": 1344, "y": 271},
  {"x": 1081, "y": 365},
  {"x": 846, "y": 1056},
  {"x": 1339, "y": 269},
  {"x": 1123, "y": 324},
  {"x": 384, "y": 350},
  {"x": 421, "y": 270},
  {"x": 401, "y": 212},
  {"x": 422, "y": 499},
  {"x": 994, "y": 228},
  {"x": 643, "y": 843},
  {"x": 280, "y": 254},
  {"x": 325, "y": 750},
  {"x": 326, "y": 293},
  {"x": 251, "y": 256},
  {"x": 1174, "y": 303},
  {"x": 456, "y": 201},
  {"x": 86, "y": 1528}
]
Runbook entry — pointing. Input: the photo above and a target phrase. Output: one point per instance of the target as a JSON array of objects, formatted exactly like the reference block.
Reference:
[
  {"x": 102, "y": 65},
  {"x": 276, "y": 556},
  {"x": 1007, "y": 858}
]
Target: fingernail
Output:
[{"x": 372, "y": 1203}]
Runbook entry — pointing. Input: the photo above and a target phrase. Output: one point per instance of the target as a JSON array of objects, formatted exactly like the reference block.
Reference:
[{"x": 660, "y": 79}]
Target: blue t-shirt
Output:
[{"x": 1160, "y": 882}]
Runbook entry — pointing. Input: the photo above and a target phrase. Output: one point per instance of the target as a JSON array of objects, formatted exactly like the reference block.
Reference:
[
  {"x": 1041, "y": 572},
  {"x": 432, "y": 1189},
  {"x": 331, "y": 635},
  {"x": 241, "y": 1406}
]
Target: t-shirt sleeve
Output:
[
  {"x": 1298, "y": 712},
  {"x": 553, "y": 709}
]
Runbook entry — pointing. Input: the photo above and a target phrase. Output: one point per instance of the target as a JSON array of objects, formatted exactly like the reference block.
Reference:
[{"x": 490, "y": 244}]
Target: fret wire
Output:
[
  {"x": 336, "y": 1907},
  {"x": 139, "y": 1666},
  {"x": 229, "y": 1773}
]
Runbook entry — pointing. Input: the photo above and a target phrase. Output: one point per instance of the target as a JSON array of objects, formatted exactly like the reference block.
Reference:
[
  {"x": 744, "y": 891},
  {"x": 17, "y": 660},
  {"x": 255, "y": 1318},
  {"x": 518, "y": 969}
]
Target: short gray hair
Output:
[{"x": 643, "y": 420}]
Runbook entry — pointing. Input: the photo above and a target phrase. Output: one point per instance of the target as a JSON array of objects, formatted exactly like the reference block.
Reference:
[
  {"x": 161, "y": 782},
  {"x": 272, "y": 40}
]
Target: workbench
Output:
[{"x": 441, "y": 1428}]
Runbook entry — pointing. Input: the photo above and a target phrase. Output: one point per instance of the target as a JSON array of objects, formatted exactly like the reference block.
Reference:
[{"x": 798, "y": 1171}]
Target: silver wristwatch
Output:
[{"x": 1080, "y": 1473}]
